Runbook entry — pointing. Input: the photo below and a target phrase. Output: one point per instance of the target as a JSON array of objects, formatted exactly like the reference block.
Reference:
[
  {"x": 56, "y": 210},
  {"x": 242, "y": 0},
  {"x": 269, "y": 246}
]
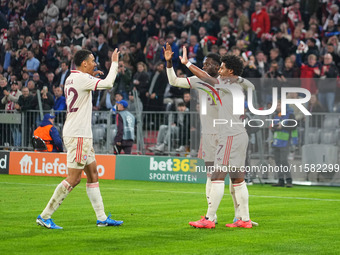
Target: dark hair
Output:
[
  {"x": 234, "y": 63},
  {"x": 80, "y": 56},
  {"x": 214, "y": 57},
  {"x": 180, "y": 104}
]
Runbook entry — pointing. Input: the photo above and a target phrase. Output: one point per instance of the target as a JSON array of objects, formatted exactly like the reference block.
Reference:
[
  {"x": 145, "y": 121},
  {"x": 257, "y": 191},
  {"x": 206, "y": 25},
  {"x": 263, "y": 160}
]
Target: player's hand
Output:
[
  {"x": 115, "y": 55},
  {"x": 184, "y": 58},
  {"x": 98, "y": 72},
  {"x": 167, "y": 52}
]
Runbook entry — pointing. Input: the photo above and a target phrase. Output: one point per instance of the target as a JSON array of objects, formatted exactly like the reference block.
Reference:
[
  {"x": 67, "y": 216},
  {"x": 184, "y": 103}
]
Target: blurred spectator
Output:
[
  {"x": 260, "y": 22},
  {"x": 38, "y": 83},
  {"x": 123, "y": 80},
  {"x": 11, "y": 97},
  {"x": 155, "y": 94},
  {"x": 137, "y": 30},
  {"x": 78, "y": 37},
  {"x": 49, "y": 134},
  {"x": 192, "y": 49},
  {"x": 24, "y": 100},
  {"x": 66, "y": 27},
  {"x": 250, "y": 69},
  {"x": 107, "y": 100},
  {"x": 51, "y": 11},
  {"x": 47, "y": 100},
  {"x": 3, "y": 87},
  {"x": 141, "y": 81},
  {"x": 248, "y": 37},
  {"x": 134, "y": 103},
  {"x": 289, "y": 74},
  {"x": 64, "y": 72},
  {"x": 242, "y": 19},
  {"x": 152, "y": 52},
  {"x": 51, "y": 83},
  {"x": 125, "y": 122},
  {"x": 293, "y": 14},
  {"x": 100, "y": 51},
  {"x": 275, "y": 57},
  {"x": 6, "y": 55},
  {"x": 334, "y": 16},
  {"x": 327, "y": 83},
  {"x": 308, "y": 71},
  {"x": 32, "y": 64},
  {"x": 283, "y": 44},
  {"x": 59, "y": 100},
  {"x": 261, "y": 63},
  {"x": 225, "y": 38},
  {"x": 195, "y": 53},
  {"x": 31, "y": 87},
  {"x": 136, "y": 56},
  {"x": 312, "y": 48},
  {"x": 175, "y": 26}
]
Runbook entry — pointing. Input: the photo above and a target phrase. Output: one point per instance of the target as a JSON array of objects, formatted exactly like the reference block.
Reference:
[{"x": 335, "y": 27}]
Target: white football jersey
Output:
[
  {"x": 234, "y": 123},
  {"x": 78, "y": 92},
  {"x": 207, "y": 118}
]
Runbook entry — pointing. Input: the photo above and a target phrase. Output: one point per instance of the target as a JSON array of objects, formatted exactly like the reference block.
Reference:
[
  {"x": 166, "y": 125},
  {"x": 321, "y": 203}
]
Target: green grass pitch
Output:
[{"x": 302, "y": 220}]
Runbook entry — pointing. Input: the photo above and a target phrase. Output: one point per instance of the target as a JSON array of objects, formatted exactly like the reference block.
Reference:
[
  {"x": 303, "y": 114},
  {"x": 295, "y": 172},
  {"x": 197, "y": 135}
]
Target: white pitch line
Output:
[{"x": 184, "y": 192}]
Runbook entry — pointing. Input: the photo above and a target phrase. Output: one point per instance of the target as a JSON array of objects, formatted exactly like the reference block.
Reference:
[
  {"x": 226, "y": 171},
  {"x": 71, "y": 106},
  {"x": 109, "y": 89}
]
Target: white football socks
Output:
[
  {"x": 93, "y": 192},
  {"x": 60, "y": 193},
  {"x": 208, "y": 188},
  {"x": 232, "y": 193},
  {"x": 242, "y": 198},
  {"x": 215, "y": 197}
]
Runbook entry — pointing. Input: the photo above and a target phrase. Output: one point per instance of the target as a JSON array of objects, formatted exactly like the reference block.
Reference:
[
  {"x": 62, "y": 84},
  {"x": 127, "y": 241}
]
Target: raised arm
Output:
[
  {"x": 111, "y": 76},
  {"x": 173, "y": 79},
  {"x": 197, "y": 71}
]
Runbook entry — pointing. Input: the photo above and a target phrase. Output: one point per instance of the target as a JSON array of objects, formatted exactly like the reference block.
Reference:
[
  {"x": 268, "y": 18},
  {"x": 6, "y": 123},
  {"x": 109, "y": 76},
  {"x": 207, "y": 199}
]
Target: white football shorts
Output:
[
  {"x": 208, "y": 147},
  {"x": 231, "y": 150},
  {"x": 80, "y": 152}
]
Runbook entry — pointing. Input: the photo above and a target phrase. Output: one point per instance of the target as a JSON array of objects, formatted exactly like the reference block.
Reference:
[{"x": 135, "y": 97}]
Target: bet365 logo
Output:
[{"x": 173, "y": 165}]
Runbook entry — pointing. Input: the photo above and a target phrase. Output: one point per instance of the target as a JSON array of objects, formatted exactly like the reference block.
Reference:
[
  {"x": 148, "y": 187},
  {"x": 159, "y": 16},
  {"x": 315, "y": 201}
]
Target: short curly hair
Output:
[{"x": 234, "y": 63}]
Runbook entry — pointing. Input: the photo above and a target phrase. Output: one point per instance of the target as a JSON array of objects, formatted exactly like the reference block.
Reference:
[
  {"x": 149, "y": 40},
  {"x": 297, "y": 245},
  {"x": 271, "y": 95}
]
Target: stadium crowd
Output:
[{"x": 278, "y": 40}]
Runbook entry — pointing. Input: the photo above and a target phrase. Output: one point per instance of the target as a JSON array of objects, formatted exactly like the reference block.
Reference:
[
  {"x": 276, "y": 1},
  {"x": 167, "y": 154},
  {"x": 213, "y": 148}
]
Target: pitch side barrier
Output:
[
  {"x": 319, "y": 166},
  {"x": 110, "y": 167}
]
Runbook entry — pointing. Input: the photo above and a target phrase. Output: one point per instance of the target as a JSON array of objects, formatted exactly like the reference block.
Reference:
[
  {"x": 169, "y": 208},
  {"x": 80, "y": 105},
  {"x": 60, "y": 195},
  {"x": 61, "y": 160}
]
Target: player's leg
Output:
[
  {"x": 236, "y": 160},
  {"x": 208, "y": 165},
  {"x": 60, "y": 193},
  {"x": 93, "y": 192},
  {"x": 232, "y": 193},
  {"x": 216, "y": 193}
]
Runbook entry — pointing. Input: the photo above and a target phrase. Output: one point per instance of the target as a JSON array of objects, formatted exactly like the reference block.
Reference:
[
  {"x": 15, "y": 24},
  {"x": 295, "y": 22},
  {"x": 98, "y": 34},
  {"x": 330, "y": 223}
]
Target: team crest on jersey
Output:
[
  {"x": 85, "y": 157},
  {"x": 209, "y": 93},
  {"x": 203, "y": 153}
]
